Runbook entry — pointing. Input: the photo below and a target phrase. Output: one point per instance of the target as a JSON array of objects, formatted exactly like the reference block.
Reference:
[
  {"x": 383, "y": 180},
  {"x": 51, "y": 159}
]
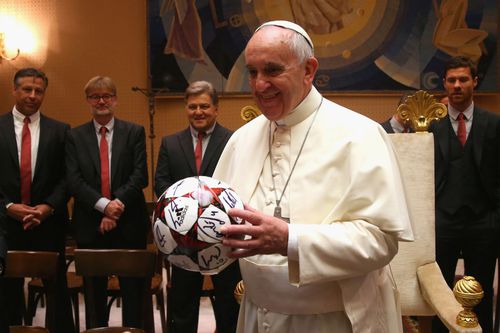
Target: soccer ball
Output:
[{"x": 187, "y": 221}]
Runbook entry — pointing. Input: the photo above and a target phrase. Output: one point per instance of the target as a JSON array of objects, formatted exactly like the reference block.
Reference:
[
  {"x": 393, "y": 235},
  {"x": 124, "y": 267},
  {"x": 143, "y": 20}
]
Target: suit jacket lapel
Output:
[
  {"x": 215, "y": 140},
  {"x": 119, "y": 135},
  {"x": 92, "y": 145},
  {"x": 45, "y": 132},
  {"x": 186, "y": 143},
  {"x": 479, "y": 125},
  {"x": 10, "y": 137},
  {"x": 443, "y": 137}
]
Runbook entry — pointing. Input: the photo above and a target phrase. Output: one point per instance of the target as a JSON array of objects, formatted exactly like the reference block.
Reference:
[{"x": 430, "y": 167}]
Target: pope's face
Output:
[{"x": 279, "y": 82}]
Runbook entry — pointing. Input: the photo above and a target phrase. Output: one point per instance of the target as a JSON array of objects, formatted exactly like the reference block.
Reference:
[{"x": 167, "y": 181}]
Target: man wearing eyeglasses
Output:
[
  {"x": 33, "y": 192},
  {"x": 191, "y": 152},
  {"x": 107, "y": 171}
]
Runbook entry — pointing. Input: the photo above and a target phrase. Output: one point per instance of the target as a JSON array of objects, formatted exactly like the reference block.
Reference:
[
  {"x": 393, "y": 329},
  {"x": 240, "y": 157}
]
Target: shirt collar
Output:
[
  {"x": 396, "y": 125},
  {"x": 110, "y": 125},
  {"x": 18, "y": 116},
  {"x": 305, "y": 108},
  {"x": 194, "y": 132},
  {"x": 467, "y": 113}
]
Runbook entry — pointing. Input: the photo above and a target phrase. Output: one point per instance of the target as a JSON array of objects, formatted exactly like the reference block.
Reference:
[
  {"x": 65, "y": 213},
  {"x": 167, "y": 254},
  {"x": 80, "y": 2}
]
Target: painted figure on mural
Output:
[{"x": 452, "y": 35}]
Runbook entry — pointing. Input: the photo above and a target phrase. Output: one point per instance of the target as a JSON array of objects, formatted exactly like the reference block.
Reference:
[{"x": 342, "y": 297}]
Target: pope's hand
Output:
[{"x": 267, "y": 234}]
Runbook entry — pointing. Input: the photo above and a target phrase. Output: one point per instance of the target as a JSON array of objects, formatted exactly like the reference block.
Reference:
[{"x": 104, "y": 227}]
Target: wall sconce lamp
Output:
[{"x": 3, "y": 55}]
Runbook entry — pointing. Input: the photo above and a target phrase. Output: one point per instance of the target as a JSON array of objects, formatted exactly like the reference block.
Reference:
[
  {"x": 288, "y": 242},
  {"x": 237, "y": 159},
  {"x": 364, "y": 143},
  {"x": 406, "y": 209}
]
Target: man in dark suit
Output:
[
  {"x": 107, "y": 172},
  {"x": 4, "y": 325},
  {"x": 395, "y": 124},
  {"x": 3, "y": 242},
  {"x": 33, "y": 190},
  {"x": 467, "y": 152},
  {"x": 191, "y": 152}
]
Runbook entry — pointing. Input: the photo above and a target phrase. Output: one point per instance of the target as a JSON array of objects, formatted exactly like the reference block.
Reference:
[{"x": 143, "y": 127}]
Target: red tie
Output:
[
  {"x": 103, "y": 150},
  {"x": 461, "y": 132},
  {"x": 198, "y": 151},
  {"x": 26, "y": 163}
]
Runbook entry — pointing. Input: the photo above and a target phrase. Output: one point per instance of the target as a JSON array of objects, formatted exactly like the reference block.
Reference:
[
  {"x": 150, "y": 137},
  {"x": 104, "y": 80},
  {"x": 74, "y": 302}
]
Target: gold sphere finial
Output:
[{"x": 468, "y": 293}]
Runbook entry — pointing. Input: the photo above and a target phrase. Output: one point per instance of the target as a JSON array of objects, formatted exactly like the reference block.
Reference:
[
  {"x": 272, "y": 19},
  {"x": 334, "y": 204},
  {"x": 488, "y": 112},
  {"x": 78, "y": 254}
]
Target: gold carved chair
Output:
[{"x": 422, "y": 289}]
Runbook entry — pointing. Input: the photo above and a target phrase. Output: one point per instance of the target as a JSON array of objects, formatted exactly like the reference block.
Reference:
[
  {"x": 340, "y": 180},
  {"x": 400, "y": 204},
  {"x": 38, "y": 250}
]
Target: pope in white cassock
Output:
[{"x": 325, "y": 203}]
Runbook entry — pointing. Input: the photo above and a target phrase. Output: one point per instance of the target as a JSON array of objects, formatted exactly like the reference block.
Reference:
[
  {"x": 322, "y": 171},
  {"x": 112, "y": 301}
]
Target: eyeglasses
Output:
[
  {"x": 203, "y": 107},
  {"x": 96, "y": 98}
]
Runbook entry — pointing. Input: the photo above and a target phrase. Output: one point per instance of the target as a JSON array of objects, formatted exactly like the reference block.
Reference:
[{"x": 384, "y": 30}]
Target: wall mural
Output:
[{"x": 361, "y": 45}]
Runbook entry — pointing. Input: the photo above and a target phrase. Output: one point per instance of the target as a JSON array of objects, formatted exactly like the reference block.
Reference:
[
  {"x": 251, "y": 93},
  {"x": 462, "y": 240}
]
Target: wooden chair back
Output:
[
  {"x": 28, "y": 329},
  {"x": 114, "y": 330},
  {"x": 39, "y": 264},
  {"x": 36, "y": 264},
  {"x": 119, "y": 262}
]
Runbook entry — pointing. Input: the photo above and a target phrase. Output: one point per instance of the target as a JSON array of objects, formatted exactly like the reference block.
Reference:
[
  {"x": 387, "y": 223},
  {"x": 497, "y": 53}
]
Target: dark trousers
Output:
[
  {"x": 4, "y": 324},
  {"x": 96, "y": 313},
  {"x": 475, "y": 239},
  {"x": 183, "y": 301},
  {"x": 96, "y": 300}
]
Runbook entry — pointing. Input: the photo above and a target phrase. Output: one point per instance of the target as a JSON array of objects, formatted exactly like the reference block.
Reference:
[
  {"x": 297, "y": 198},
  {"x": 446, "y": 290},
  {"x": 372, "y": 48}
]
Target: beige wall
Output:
[{"x": 78, "y": 39}]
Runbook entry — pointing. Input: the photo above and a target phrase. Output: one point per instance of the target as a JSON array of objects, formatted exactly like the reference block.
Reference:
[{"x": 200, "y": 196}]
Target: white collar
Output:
[
  {"x": 110, "y": 125},
  {"x": 305, "y": 108},
  {"x": 18, "y": 116},
  {"x": 194, "y": 132},
  {"x": 467, "y": 113}
]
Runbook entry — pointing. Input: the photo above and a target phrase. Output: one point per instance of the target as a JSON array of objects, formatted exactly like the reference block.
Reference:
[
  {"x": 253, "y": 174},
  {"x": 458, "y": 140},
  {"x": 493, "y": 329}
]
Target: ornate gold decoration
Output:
[
  {"x": 250, "y": 112},
  {"x": 3, "y": 53},
  {"x": 468, "y": 293},
  {"x": 239, "y": 291},
  {"x": 420, "y": 109}
]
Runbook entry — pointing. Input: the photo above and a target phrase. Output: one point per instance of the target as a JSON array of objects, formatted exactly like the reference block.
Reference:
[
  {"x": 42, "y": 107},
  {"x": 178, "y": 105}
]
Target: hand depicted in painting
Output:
[
  {"x": 184, "y": 38},
  {"x": 320, "y": 16},
  {"x": 452, "y": 35}
]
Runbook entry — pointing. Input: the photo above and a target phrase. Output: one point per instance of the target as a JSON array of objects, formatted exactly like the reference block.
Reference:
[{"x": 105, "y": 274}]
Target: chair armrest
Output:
[{"x": 440, "y": 297}]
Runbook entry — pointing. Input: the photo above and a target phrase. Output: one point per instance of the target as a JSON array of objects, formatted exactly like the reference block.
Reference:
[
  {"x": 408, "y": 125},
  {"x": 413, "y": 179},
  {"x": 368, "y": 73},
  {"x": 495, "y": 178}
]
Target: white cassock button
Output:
[{"x": 277, "y": 144}]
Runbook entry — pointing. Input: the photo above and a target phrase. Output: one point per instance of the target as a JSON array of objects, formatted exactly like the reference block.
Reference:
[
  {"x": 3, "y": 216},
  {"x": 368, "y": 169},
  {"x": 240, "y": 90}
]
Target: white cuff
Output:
[
  {"x": 293, "y": 242},
  {"x": 101, "y": 204}
]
